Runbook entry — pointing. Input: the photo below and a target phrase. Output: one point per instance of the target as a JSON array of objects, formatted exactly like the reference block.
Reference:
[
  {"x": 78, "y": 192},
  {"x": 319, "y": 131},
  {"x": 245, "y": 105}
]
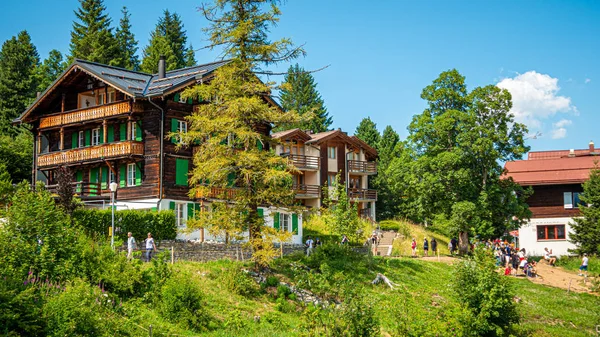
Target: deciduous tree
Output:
[
  {"x": 586, "y": 229},
  {"x": 231, "y": 130}
]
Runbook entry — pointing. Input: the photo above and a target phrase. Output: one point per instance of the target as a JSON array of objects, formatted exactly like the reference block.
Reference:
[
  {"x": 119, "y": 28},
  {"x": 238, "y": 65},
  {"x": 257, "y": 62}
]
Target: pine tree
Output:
[
  {"x": 388, "y": 201},
  {"x": 18, "y": 81},
  {"x": 168, "y": 39},
  {"x": 586, "y": 229},
  {"x": 367, "y": 132},
  {"x": 50, "y": 69},
  {"x": 190, "y": 57},
  {"x": 299, "y": 93},
  {"x": 236, "y": 112},
  {"x": 127, "y": 43},
  {"x": 92, "y": 38}
]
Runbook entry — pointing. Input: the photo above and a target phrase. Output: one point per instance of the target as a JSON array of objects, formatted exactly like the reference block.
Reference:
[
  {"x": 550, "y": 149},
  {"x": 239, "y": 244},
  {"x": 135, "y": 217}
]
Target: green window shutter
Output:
[
  {"x": 122, "y": 175},
  {"x": 197, "y": 208},
  {"x": 172, "y": 205},
  {"x": 74, "y": 140},
  {"x": 259, "y": 145},
  {"x": 295, "y": 223},
  {"x": 93, "y": 179},
  {"x": 176, "y": 97},
  {"x": 190, "y": 101},
  {"x": 276, "y": 220},
  {"x": 101, "y": 138},
  {"x": 261, "y": 212},
  {"x": 122, "y": 132},
  {"x": 181, "y": 171},
  {"x": 138, "y": 131},
  {"x": 104, "y": 179},
  {"x": 110, "y": 134},
  {"x": 174, "y": 128},
  {"x": 231, "y": 179},
  {"x": 78, "y": 178},
  {"x": 138, "y": 174},
  {"x": 190, "y": 209},
  {"x": 88, "y": 138},
  {"x": 153, "y": 209}
]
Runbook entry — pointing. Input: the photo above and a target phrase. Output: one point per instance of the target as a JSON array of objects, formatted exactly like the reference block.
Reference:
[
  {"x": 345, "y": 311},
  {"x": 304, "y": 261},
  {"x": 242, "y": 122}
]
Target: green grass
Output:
[{"x": 573, "y": 263}]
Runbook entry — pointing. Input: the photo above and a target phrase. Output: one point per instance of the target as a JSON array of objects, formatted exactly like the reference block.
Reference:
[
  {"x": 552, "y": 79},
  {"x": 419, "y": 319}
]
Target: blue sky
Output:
[{"x": 382, "y": 53}]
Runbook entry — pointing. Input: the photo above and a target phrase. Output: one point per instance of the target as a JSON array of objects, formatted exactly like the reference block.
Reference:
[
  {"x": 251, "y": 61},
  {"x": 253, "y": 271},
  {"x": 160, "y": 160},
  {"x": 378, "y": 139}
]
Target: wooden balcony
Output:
[
  {"x": 362, "y": 167},
  {"x": 362, "y": 194},
  {"x": 92, "y": 153},
  {"x": 89, "y": 114},
  {"x": 306, "y": 163},
  {"x": 84, "y": 189},
  {"x": 219, "y": 193},
  {"x": 307, "y": 191}
]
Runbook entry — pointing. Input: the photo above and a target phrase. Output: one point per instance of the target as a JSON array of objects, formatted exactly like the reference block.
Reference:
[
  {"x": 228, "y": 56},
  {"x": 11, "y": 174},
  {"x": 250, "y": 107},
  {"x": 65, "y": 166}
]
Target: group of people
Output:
[
  {"x": 413, "y": 246},
  {"x": 132, "y": 245},
  {"x": 512, "y": 259},
  {"x": 312, "y": 244}
]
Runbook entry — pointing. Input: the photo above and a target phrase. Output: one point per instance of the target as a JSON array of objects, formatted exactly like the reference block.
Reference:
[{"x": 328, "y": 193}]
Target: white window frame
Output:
[
  {"x": 182, "y": 126},
  {"x": 132, "y": 128},
  {"x": 112, "y": 96},
  {"x": 81, "y": 139},
  {"x": 95, "y": 136},
  {"x": 569, "y": 199},
  {"x": 331, "y": 181},
  {"x": 111, "y": 177},
  {"x": 180, "y": 214},
  {"x": 285, "y": 222},
  {"x": 331, "y": 152},
  {"x": 131, "y": 170},
  {"x": 101, "y": 98}
]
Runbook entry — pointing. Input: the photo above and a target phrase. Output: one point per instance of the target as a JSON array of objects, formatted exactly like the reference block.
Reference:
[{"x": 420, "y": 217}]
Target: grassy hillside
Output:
[{"x": 407, "y": 231}]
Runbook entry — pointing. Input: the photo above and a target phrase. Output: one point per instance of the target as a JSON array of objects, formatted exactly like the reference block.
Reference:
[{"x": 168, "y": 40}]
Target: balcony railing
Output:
[
  {"x": 81, "y": 115},
  {"x": 307, "y": 191},
  {"x": 219, "y": 193},
  {"x": 83, "y": 189},
  {"x": 303, "y": 162},
  {"x": 104, "y": 151},
  {"x": 362, "y": 167},
  {"x": 362, "y": 194}
]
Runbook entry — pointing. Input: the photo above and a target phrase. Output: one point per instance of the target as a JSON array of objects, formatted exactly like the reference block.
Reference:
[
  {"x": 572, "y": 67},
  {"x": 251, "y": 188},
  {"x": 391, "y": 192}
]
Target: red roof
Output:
[
  {"x": 554, "y": 171},
  {"x": 537, "y": 155}
]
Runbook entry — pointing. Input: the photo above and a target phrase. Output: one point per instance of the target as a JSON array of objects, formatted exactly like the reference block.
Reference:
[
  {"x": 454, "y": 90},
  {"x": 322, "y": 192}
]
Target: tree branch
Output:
[{"x": 269, "y": 73}]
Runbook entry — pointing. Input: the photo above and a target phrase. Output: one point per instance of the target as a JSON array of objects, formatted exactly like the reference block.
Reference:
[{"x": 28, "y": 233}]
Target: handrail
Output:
[
  {"x": 302, "y": 189},
  {"x": 227, "y": 193},
  {"x": 96, "y": 112},
  {"x": 90, "y": 153},
  {"x": 362, "y": 194},
  {"x": 305, "y": 162},
  {"x": 360, "y": 166},
  {"x": 82, "y": 188}
]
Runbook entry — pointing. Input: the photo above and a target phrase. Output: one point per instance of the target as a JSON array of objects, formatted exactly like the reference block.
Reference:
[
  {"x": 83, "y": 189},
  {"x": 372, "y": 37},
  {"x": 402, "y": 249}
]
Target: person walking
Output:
[
  {"x": 150, "y": 247},
  {"x": 584, "y": 266},
  {"x": 433, "y": 246},
  {"x": 309, "y": 246},
  {"x": 318, "y": 242},
  {"x": 130, "y": 245},
  {"x": 344, "y": 239},
  {"x": 426, "y": 247},
  {"x": 413, "y": 246}
]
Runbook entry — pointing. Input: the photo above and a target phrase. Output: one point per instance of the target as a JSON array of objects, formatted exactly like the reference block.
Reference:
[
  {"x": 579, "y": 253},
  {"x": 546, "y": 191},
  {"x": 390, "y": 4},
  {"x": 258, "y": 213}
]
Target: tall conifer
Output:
[
  {"x": 92, "y": 38},
  {"x": 126, "y": 42},
  {"x": 168, "y": 39},
  {"x": 586, "y": 229},
  {"x": 50, "y": 69},
  {"x": 367, "y": 132},
  {"x": 300, "y": 93},
  {"x": 18, "y": 81}
]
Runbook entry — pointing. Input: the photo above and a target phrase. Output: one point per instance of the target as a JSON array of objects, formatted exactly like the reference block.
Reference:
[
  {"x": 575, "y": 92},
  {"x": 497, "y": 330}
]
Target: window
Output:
[
  {"x": 179, "y": 207},
  {"x": 331, "y": 179},
  {"x": 285, "y": 222},
  {"x": 551, "y": 232},
  {"x": 131, "y": 174},
  {"x": 181, "y": 126},
  {"x": 571, "y": 200},
  {"x": 111, "y": 177},
  {"x": 81, "y": 139},
  {"x": 132, "y": 130},
  {"x": 331, "y": 152},
  {"x": 95, "y": 137},
  {"x": 112, "y": 96}
]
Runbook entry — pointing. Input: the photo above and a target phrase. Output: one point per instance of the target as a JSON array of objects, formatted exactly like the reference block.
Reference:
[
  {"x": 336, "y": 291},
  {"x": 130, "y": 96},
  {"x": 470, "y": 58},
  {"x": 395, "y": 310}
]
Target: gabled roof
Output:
[
  {"x": 291, "y": 134},
  {"x": 368, "y": 149},
  {"x": 321, "y": 137},
  {"x": 554, "y": 171},
  {"x": 132, "y": 83}
]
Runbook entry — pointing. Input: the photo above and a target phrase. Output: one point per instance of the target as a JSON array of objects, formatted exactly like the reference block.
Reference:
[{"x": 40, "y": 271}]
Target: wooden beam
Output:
[
  {"x": 111, "y": 168},
  {"x": 61, "y": 146},
  {"x": 104, "y": 132},
  {"x": 62, "y": 103}
]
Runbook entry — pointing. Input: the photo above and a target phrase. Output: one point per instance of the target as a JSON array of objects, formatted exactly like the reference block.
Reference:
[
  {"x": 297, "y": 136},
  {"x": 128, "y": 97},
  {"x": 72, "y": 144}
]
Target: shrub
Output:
[
  {"x": 285, "y": 306},
  {"x": 181, "y": 302},
  {"x": 20, "y": 309},
  {"x": 357, "y": 315},
  {"x": 161, "y": 224},
  {"x": 272, "y": 281},
  {"x": 283, "y": 291},
  {"x": 239, "y": 282},
  {"x": 485, "y": 294}
]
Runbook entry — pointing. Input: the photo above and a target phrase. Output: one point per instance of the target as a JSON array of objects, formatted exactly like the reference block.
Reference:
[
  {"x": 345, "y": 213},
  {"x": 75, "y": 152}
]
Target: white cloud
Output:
[
  {"x": 559, "y": 130},
  {"x": 587, "y": 80},
  {"x": 535, "y": 99}
]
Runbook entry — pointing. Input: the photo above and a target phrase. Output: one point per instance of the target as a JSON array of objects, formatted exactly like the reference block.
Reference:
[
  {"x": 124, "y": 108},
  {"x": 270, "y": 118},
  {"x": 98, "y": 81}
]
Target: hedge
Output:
[{"x": 161, "y": 224}]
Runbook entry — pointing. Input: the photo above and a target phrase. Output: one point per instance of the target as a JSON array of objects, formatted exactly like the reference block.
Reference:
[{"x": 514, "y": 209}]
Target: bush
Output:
[
  {"x": 239, "y": 282},
  {"x": 161, "y": 224},
  {"x": 357, "y": 315},
  {"x": 486, "y": 294},
  {"x": 283, "y": 291},
  {"x": 181, "y": 302},
  {"x": 272, "y": 281},
  {"x": 20, "y": 309}
]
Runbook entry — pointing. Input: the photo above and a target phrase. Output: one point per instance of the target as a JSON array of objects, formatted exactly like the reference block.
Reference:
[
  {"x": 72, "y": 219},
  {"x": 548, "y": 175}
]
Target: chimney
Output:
[
  {"x": 38, "y": 94},
  {"x": 572, "y": 153},
  {"x": 162, "y": 67},
  {"x": 592, "y": 150}
]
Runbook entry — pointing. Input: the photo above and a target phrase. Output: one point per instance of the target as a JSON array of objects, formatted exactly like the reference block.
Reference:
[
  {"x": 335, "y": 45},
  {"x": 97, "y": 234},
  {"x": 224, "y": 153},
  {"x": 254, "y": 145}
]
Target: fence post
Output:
[
  {"x": 172, "y": 254},
  {"x": 150, "y": 330}
]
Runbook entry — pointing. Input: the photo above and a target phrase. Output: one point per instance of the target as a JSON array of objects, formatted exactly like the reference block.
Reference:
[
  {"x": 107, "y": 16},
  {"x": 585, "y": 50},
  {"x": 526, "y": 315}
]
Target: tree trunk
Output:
[{"x": 463, "y": 243}]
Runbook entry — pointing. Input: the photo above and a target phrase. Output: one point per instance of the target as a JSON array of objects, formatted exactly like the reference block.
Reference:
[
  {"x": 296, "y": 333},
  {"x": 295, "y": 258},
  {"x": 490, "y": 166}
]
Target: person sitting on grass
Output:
[
  {"x": 551, "y": 259},
  {"x": 584, "y": 265}
]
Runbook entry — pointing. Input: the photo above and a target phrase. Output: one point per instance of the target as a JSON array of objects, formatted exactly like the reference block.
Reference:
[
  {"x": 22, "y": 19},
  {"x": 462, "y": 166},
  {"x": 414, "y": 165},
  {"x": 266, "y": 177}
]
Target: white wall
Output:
[{"x": 528, "y": 237}]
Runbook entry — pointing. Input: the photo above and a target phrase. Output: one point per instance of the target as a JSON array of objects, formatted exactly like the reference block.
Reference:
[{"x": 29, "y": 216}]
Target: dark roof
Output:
[{"x": 134, "y": 83}]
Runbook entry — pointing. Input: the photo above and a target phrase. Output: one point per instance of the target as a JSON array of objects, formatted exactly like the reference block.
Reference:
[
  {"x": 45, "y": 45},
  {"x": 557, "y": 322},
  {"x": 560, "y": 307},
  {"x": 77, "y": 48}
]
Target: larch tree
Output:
[
  {"x": 586, "y": 228},
  {"x": 127, "y": 43},
  {"x": 50, "y": 69},
  {"x": 299, "y": 93},
  {"x": 169, "y": 39},
  {"x": 367, "y": 131},
  {"x": 92, "y": 38},
  {"x": 232, "y": 128},
  {"x": 18, "y": 81},
  {"x": 457, "y": 145}
]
